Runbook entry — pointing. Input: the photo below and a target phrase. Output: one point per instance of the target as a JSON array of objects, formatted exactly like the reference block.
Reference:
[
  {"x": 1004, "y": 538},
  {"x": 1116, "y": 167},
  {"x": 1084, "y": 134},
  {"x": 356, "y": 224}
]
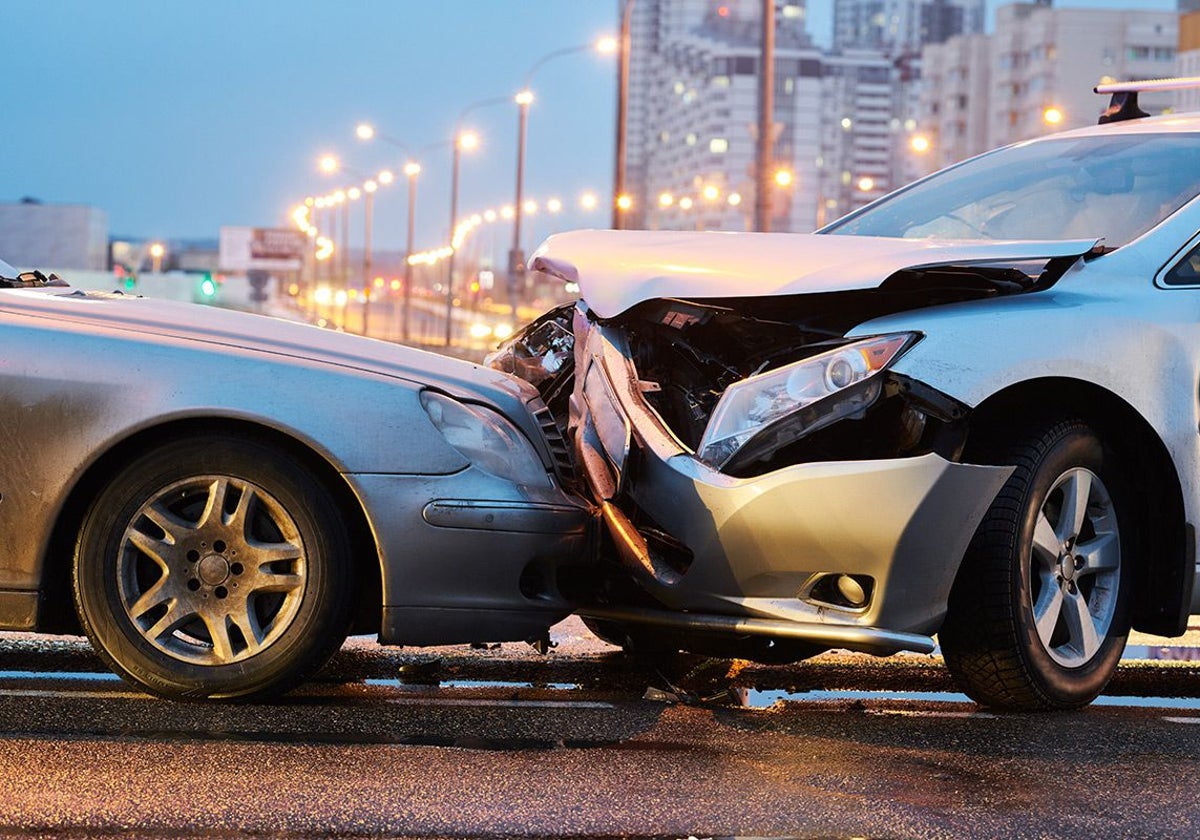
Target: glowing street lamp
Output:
[
  {"x": 1053, "y": 115},
  {"x": 784, "y": 178},
  {"x": 919, "y": 144},
  {"x": 463, "y": 140},
  {"x": 523, "y": 99},
  {"x": 156, "y": 254}
]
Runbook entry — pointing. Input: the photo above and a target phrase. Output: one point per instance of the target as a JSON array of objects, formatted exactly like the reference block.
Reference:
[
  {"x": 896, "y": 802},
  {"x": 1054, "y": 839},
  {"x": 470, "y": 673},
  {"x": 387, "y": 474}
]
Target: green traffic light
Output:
[{"x": 208, "y": 288}]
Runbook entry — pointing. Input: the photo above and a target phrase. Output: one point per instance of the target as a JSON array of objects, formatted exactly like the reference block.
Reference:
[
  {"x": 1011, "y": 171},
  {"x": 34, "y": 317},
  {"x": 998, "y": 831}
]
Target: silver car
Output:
[
  {"x": 218, "y": 498},
  {"x": 969, "y": 409}
]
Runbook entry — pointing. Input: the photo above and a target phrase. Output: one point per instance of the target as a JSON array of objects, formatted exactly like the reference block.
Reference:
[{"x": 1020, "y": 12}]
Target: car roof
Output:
[{"x": 1184, "y": 123}]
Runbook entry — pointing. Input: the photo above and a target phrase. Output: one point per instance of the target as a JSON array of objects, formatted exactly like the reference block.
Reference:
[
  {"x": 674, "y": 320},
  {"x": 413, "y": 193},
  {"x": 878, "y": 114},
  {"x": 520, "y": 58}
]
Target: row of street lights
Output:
[{"x": 464, "y": 140}]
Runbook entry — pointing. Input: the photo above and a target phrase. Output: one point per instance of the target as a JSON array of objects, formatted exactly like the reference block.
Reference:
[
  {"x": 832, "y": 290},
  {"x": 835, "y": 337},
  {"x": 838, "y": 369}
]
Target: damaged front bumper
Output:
[{"x": 852, "y": 554}]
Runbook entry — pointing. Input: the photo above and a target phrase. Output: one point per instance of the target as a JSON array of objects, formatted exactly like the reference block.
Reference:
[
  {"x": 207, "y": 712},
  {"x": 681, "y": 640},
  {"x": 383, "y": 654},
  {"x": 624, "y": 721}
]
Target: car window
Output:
[
  {"x": 1186, "y": 272},
  {"x": 1111, "y": 187}
]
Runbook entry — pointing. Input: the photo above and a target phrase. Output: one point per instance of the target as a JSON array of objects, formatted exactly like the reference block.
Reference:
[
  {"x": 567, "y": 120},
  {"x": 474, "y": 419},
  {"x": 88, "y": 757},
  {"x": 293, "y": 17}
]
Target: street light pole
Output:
[
  {"x": 411, "y": 169},
  {"x": 455, "y": 156},
  {"x": 345, "y": 260},
  {"x": 468, "y": 140},
  {"x": 766, "y": 120},
  {"x": 622, "y": 113},
  {"x": 516, "y": 256},
  {"x": 368, "y": 212}
]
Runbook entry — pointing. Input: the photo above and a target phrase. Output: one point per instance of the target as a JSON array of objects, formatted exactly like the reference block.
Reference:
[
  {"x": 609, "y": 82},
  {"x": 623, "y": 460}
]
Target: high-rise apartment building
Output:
[
  {"x": 902, "y": 27},
  {"x": 954, "y": 92},
  {"x": 693, "y": 114},
  {"x": 1188, "y": 57},
  {"x": 1045, "y": 62},
  {"x": 844, "y": 119},
  {"x": 1035, "y": 74}
]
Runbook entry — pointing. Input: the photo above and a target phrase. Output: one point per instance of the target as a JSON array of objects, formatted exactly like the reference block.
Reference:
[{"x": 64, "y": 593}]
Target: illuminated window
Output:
[
  {"x": 690, "y": 140},
  {"x": 718, "y": 145}
]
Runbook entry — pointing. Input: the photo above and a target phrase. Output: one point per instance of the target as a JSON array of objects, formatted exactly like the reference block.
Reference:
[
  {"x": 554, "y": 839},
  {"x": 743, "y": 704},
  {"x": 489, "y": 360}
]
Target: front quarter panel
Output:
[
  {"x": 1104, "y": 323},
  {"x": 69, "y": 395}
]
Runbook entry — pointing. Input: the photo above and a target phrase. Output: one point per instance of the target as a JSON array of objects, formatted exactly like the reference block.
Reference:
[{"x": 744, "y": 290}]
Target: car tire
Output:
[
  {"x": 214, "y": 568},
  {"x": 1039, "y": 612}
]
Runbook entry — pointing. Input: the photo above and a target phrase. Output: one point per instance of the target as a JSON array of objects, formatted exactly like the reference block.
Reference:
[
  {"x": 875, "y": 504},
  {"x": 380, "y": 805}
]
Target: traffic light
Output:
[
  {"x": 127, "y": 277},
  {"x": 208, "y": 287}
]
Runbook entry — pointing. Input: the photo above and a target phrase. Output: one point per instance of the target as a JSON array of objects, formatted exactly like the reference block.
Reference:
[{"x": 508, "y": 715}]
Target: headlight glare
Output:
[{"x": 749, "y": 406}]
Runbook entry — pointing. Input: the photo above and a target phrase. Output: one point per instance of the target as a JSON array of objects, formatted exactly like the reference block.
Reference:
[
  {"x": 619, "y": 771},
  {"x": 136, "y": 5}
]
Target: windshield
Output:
[
  {"x": 1112, "y": 187},
  {"x": 7, "y": 271}
]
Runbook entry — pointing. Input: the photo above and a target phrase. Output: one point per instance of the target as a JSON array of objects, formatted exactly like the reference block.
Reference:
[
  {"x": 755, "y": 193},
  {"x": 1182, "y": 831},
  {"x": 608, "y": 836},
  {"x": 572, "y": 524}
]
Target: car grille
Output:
[{"x": 560, "y": 452}]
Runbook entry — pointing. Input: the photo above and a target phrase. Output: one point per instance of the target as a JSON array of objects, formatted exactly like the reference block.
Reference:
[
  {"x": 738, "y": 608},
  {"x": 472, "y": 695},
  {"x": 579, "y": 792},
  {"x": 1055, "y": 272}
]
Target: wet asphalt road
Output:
[{"x": 473, "y": 743}]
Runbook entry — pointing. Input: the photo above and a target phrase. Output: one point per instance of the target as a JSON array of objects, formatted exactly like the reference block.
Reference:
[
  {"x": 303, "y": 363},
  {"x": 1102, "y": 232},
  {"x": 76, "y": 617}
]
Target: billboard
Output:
[{"x": 261, "y": 249}]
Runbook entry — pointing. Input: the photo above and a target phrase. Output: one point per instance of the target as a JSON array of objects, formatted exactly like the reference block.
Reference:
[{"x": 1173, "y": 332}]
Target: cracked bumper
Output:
[{"x": 760, "y": 546}]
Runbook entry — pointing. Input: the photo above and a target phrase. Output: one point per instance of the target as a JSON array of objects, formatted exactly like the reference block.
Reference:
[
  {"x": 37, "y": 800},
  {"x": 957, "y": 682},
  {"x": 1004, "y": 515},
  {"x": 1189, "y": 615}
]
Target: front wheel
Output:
[
  {"x": 214, "y": 568},
  {"x": 1039, "y": 612}
]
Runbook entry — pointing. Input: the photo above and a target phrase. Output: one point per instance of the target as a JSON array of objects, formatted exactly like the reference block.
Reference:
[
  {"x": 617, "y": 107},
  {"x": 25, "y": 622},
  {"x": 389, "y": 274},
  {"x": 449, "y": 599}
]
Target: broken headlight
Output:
[
  {"x": 820, "y": 390},
  {"x": 486, "y": 439}
]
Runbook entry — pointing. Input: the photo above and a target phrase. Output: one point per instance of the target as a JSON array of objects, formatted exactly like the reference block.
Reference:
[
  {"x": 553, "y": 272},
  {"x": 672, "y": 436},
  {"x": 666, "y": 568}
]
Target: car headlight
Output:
[
  {"x": 487, "y": 439},
  {"x": 825, "y": 385}
]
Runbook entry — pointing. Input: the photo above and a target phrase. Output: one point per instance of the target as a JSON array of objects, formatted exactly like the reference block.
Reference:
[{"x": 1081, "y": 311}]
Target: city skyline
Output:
[{"x": 176, "y": 120}]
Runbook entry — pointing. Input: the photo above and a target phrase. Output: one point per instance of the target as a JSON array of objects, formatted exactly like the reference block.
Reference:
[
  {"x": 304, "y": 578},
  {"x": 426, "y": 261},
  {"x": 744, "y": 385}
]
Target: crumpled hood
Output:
[
  {"x": 616, "y": 270},
  {"x": 216, "y": 328}
]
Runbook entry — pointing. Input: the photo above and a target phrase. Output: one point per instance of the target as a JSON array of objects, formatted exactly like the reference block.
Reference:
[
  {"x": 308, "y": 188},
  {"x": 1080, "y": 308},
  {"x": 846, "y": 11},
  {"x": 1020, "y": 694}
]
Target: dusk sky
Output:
[{"x": 177, "y": 118}]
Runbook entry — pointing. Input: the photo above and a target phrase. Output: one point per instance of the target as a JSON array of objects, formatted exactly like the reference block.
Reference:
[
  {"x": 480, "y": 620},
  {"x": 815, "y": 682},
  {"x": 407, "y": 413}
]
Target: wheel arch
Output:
[
  {"x": 1165, "y": 567},
  {"x": 57, "y": 613}
]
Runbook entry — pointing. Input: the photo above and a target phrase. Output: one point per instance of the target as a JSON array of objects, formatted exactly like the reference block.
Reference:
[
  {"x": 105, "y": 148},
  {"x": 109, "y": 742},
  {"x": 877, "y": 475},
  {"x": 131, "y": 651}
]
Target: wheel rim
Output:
[
  {"x": 1076, "y": 568},
  {"x": 211, "y": 570}
]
